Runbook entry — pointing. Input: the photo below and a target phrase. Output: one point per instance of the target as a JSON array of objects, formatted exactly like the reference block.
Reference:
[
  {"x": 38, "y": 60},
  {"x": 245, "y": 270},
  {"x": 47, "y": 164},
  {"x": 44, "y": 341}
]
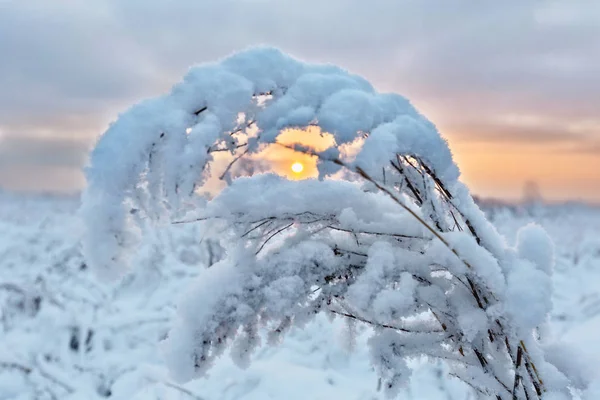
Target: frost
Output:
[
  {"x": 386, "y": 354},
  {"x": 389, "y": 304},
  {"x": 473, "y": 323}
]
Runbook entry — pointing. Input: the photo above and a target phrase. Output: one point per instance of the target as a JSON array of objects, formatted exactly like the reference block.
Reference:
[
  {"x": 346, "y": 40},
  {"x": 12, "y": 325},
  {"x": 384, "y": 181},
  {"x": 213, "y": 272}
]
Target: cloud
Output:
[
  {"x": 525, "y": 129},
  {"x": 47, "y": 179},
  {"x": 70, "y": 66},
  {"x": 42, "y": 163},
  {"x": 513, "y": 134},
  {"x": 42, "y": 152},
  {"x": 64, "y": 57},
  {"x": 584, "y": 147}
]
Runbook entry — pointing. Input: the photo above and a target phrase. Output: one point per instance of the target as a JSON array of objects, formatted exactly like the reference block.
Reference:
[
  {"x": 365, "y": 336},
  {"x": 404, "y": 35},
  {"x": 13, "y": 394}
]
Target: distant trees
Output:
[{"x": 532, "y": 193}]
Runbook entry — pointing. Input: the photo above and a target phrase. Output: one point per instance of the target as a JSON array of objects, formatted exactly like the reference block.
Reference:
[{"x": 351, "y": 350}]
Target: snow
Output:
[
  {"x": 39, "y": 242},
  {"x": 473, "y": 323},
  {"x": 408, "y": 134},
  {"x": 534, "y": 244},
  {"x": 368, "y": 291},
  {"x": 529, "y": 294}
]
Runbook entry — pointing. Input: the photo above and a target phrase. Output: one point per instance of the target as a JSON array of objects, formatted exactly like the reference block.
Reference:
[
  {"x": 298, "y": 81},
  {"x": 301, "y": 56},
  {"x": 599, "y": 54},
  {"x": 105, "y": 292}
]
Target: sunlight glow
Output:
[{"x": 297, "y": 167}]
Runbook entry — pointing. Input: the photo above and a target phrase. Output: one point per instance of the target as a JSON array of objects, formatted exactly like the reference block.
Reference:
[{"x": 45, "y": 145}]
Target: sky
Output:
[{"x": 512, "y": 85}]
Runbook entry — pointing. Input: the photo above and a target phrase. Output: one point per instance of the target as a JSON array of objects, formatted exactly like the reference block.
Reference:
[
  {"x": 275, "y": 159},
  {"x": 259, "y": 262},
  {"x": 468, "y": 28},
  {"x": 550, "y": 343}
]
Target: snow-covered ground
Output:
[{"x": 64, "y": 335}]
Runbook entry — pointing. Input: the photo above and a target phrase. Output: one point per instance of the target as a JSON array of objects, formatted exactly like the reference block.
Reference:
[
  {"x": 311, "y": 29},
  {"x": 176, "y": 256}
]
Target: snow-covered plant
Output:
[{"x": 387, "y": 235}]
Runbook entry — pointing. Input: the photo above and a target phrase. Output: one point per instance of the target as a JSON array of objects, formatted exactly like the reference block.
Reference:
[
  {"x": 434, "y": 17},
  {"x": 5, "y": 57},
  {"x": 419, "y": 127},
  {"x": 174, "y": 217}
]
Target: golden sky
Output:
[
  {"x": 491, "y": 168},
  {"x": 283, "y": 159},
  {"x": 501, "y": 170},
  {"x": 498, "y": 169}
]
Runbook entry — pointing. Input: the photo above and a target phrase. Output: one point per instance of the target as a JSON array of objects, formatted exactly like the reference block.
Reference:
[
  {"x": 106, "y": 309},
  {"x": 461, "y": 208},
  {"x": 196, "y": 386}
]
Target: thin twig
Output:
[
  {"x": 191, "y": 220},
  {"x": 218, "y": 149},
  {"x": 517, "y": 380},
  {"x": 266, "y": 221},
  {"x": 182, "y": 390},
  {"x": 231, "y": 163},
  {"x": 273, "y": 235},
  {"x": 375, "y": 233},
  {"x": 48, "y": 375},
  {"x": 414, "y": 191},
  {"x": 533, "y": 365},
  {"x": 201, "y": 110},
  {"x": 454, "y": 374},
  {"x": 14, "y": 365},
  {"x": 13, "y": 287},
  {"x": 366, "y": 321}
]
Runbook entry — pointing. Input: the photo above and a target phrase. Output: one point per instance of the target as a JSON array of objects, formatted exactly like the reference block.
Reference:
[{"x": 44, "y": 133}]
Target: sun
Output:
[{"x": 297, "y": 167}]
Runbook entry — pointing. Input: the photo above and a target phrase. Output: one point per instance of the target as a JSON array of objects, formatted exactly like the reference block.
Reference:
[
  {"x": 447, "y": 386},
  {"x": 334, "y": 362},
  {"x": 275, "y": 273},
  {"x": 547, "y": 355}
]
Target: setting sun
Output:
[{"x": 297, "y": 167}]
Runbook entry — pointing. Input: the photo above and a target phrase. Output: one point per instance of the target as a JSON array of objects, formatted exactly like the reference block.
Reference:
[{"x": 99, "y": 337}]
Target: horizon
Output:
[{"x": 487, "y": 200}]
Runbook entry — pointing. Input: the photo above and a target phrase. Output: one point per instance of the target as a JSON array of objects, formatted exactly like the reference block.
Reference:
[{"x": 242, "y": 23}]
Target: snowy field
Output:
[{"x": 64, "y": 335}]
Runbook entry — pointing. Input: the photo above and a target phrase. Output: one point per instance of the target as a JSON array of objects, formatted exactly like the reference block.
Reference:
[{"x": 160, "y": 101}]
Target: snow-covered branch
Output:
[{"x": 388, "y": 235}]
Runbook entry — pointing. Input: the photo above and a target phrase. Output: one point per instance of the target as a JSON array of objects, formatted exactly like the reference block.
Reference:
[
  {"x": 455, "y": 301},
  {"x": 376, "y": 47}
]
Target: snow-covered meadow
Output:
[{"x": 65, "y": 335}]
